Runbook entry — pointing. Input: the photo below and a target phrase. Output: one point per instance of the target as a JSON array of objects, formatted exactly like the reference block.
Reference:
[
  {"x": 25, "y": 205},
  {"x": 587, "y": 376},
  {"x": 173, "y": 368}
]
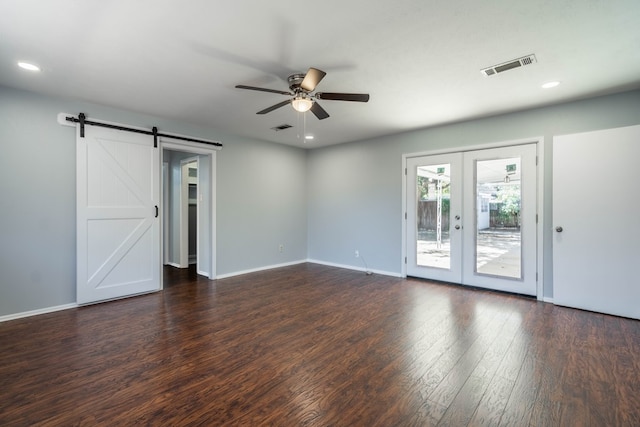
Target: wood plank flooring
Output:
[{"x": 310, "y": 345}]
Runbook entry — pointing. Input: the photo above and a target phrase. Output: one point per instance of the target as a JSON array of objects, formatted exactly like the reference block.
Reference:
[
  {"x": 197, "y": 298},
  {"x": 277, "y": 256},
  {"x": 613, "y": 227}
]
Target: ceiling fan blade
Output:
[
  {"x": 261, "y": 89},
  {"x": 274, "y": 107},
  {"x": 356, "y": 97},
  {"x": 311, "y": 79},
  {"x": 318, "y": 111}
]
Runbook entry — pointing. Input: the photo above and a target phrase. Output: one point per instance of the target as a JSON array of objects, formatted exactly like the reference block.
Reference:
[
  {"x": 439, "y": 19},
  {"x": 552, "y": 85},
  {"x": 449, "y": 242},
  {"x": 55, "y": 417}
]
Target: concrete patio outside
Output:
[{"x": 498, "y": 251}]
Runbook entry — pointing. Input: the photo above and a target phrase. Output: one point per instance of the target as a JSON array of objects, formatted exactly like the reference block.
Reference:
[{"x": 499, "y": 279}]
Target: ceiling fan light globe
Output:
[{"x": 302, "y": 104}]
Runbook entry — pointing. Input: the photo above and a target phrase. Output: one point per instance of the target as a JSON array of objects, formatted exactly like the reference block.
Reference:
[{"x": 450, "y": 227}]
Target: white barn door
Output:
[
  {"x": 596, "y": 206},
  {"x": 118, "y": 229}
]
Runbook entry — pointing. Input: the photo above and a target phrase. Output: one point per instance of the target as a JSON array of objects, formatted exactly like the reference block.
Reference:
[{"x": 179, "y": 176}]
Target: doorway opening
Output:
[{"x": 188, "y": 190}]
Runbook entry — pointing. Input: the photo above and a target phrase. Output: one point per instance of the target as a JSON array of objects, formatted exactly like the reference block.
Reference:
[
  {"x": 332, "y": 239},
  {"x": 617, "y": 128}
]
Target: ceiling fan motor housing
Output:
[{"x": 295, "y": 80}]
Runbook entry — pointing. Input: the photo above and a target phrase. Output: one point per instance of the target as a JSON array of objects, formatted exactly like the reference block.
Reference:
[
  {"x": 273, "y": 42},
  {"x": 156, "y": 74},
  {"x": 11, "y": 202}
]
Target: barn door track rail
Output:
[{"x": 82, "y": 120}]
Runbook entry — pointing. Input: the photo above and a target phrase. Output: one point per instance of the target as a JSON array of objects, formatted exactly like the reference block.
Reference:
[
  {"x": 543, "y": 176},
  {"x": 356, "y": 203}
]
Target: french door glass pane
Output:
[
  {"x": 433, "y": 202},
  {"x": 498, "y": 201}
]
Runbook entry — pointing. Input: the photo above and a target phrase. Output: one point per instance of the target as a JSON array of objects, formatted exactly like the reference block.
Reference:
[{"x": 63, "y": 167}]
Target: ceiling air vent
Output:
[
  {"x": 281, "y": 127},
  {"x": 505, "y": 66}
]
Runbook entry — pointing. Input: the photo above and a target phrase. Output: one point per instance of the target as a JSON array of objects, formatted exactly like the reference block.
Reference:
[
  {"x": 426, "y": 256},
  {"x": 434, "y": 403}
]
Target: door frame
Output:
[
  {"x": 167, "y": 143},
  {"x": 540, "y": 155},
  {"x": 165, "y": 208}
]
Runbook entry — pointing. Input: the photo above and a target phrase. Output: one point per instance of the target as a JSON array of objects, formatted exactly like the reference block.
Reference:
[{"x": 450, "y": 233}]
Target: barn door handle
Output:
[
  {"x": 559, "y": 229},
  {"x": 156, "y": 211}
]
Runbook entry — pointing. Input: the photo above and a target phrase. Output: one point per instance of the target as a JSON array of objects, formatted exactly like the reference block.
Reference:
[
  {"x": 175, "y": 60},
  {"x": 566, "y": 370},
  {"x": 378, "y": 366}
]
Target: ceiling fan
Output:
[{"x": 301, "y": 87}]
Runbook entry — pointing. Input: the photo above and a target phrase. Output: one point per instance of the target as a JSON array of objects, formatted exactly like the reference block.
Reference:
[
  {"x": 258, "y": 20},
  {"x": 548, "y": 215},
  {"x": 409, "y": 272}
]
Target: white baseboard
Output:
[
  {"x": 221, "y": 276},
  {"x": 255, "y": 270},
  {"x": 173, "y": 264},
  {"x": 547, "y": 299},
  {"x": 352, "y": 267},
  {"x": 37, "y": 312}
]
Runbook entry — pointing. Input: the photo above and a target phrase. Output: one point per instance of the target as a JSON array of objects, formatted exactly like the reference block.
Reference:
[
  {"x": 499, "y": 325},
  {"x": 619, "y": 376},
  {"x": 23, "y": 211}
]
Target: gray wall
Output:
[
  {"x": 321, "y": 204},
  {"x": 264, "y": 206},
  {"x": 261, "y": 198},
  {"x": 356, "y": 189}
]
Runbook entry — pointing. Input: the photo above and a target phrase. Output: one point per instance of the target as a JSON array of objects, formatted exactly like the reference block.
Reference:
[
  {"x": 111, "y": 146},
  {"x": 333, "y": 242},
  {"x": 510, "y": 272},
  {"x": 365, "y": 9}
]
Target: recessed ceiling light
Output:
[
  {"x": 28, "y": 66},
  {"x": 308, "y": 137},
  {"x": 549, "y": 85}
]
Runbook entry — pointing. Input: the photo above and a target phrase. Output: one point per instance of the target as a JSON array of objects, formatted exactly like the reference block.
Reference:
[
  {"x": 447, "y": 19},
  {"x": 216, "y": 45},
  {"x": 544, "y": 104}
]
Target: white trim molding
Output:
[
  {"x": 256, "y": 270},
  {"x": 354, "y": 268},
  {"x": 37, "y": 312}
]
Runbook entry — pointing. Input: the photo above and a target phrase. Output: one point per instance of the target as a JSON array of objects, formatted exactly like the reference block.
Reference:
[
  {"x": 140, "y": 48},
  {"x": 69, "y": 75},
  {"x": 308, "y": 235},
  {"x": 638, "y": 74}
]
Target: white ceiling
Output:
[{"x": 420, "y": 60}]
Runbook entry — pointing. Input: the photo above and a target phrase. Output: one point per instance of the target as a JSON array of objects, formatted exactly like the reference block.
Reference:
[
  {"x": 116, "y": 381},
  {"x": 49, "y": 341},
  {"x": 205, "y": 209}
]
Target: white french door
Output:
[
  {"x": 500, "y": 198},
  {"x": 434, "y": 209},
  {"x": 118, "y": 229},
  {"x": 471, "y": 218}
]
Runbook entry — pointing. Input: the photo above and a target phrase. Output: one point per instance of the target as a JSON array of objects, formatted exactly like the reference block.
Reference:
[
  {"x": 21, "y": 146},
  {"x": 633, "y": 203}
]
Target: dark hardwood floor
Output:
[{"x": 319, "y": 346}]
